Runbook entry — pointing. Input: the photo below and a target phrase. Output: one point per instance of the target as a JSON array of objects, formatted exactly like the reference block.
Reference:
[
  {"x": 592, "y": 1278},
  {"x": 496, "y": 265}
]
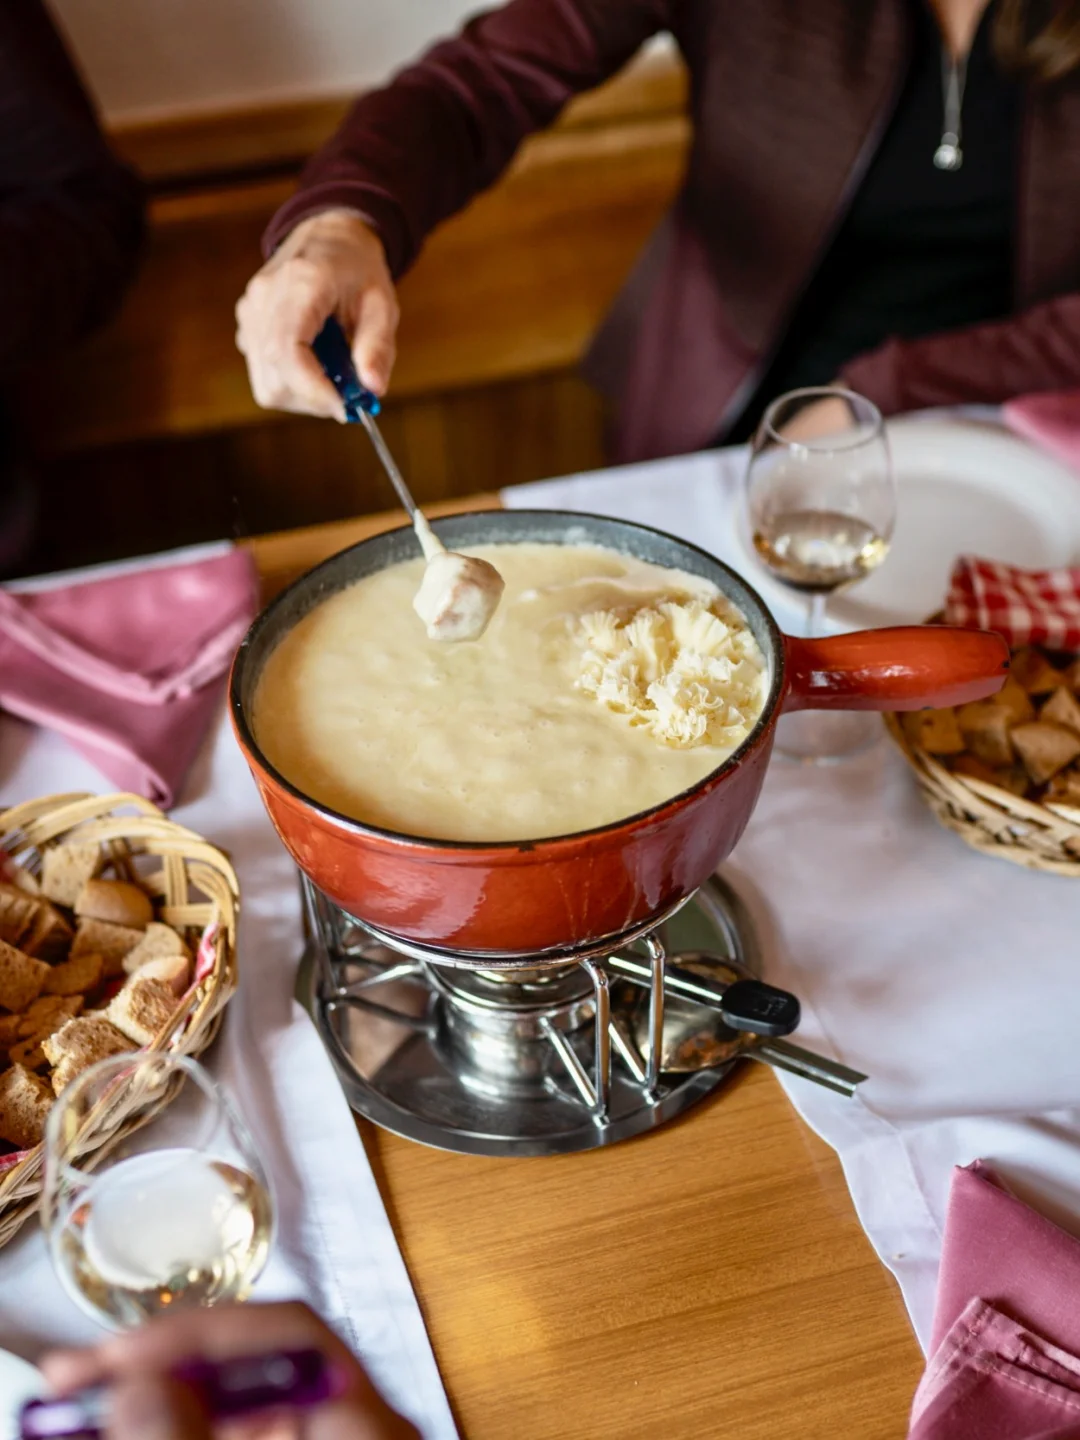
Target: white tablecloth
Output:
[
  {"x": 952, "y": 979},
  {"x": 335, "y": 1247}
]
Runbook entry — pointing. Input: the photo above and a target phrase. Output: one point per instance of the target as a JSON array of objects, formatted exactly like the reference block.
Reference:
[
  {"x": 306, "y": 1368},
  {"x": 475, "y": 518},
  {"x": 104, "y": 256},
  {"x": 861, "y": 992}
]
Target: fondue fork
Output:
[
  {"x": 760, "y": 1013},
  {"x": 361, "y": 405},
  {"x": 459, "y": 593}
]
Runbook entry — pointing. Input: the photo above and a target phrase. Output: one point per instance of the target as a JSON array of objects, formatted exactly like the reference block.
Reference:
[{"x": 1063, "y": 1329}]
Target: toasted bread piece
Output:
[
  {"x": 1064, "y": 788},
  {"x": 47, "y": 1014},
  {"x": 116, "y": 902},
  {"x": 161, "y": 955},
  {"x": 21, "y": 978},
  {"x": 171, "y": 970},
  {"x": 81, "y": 1043},
  {"x": 111, "y": 942},
  {"x": 1014, "y": 698},
  {"x": 25, "y": 1102},
  {"x": 142, "y": 1009},
  {"x": 1045, "y": 749},
  {"x": 1013, "y": 778},
  {"x": 985, "y": 728},
  {"x": 74, "y": 977},
  {"x": 29, "y": 1054},
  {"x": 1072, "y": 675},
  {"x": 973, "y": 768},
  {"x": 17, "y": 910},
  {"x": 1031, "y": 669},
  {"x": 66, "y": 869},
  {"x": 49, "y": 937},
  {"x": 1062, "y": 708},
  {"x": 32, "y": 924},
  {"x": 18, "y": 876},
  {"x": 159, "y": 940},
  {"x": 934, "y": 731}
]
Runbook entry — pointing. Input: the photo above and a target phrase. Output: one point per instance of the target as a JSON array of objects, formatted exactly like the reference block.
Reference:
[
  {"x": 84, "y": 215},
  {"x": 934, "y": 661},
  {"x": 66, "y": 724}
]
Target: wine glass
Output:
[
  {"x": 175, "y": 1215},
  {"x": 821, "y": 501}
]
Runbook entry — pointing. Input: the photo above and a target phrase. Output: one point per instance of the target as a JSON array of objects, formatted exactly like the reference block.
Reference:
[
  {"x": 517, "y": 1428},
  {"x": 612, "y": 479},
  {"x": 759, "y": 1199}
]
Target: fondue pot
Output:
[{"x": 529, "y": 896}]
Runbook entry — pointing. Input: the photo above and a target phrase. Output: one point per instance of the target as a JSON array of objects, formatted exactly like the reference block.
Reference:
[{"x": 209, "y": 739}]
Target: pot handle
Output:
[{"x": 905, "y": 667}]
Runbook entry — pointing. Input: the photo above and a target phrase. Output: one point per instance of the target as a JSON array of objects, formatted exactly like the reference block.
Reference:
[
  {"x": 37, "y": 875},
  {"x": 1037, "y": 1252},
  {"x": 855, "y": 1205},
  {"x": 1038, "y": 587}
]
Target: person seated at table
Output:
[
  {"x": 885, "y": 191},
  {"x": 145, "y": 1403},
  {"x": 70, "y": 228}
]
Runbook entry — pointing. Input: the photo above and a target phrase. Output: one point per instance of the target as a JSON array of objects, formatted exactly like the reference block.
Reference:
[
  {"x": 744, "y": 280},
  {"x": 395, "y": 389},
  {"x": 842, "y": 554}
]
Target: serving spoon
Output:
[{"x": 459, "y": 593}]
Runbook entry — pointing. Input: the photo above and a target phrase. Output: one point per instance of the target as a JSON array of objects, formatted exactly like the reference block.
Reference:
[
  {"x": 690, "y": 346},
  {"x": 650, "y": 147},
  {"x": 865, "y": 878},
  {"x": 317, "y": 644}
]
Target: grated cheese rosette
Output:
[{"x": 687, "y": 671}]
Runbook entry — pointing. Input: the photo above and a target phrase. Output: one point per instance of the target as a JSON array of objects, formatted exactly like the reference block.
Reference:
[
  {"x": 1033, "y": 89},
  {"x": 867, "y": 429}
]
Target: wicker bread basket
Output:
[
  {"x": 991, "y": 820},
  {"x": 195, "y": 890}
]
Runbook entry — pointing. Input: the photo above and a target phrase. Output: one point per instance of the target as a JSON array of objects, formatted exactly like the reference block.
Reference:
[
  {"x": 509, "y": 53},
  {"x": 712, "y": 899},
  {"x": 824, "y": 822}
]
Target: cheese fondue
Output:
[{"x": 570, "y": 712}]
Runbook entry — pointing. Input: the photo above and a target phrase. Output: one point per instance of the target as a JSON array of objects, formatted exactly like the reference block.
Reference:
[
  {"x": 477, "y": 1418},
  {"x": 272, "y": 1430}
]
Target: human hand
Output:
[
  {"x": 818, "y": 419},
  {"x": 145, "y": 1403},
  {"x": 330, "y": 264}
]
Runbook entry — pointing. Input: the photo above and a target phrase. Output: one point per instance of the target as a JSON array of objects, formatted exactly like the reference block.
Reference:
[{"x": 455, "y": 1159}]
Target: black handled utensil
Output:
[
  {"x": 361, "y": 405},
  {"x": 759, "y": 1015}
]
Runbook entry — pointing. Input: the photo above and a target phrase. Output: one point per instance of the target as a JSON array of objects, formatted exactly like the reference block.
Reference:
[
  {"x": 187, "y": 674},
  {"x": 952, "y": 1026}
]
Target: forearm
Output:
[
  {"x": 413, "y": 153},
  {"x": 1038, "y": 349}
]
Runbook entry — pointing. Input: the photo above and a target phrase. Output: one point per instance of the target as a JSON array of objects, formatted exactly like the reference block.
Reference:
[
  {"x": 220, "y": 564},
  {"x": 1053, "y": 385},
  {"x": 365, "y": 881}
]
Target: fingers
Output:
[
  {"x": 69, "y": 1370},
  {"x": 214, "y": 1334},
  {"x": 831, "y": 416},
  {"x": 145, "y": 1408},
  {"x": 349, "y": 1422},
  {"x": 230, "y": 1330},
  {"x": 297, "y": 383},
  {"x": 331, "y": 264},
  {"x": 374, "y": 344},
  {"x": 277, "y": 318}
]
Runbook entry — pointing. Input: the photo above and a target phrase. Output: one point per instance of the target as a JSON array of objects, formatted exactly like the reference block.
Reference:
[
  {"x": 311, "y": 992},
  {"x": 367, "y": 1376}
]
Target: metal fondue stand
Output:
[{"x": 545, "y": 1052}]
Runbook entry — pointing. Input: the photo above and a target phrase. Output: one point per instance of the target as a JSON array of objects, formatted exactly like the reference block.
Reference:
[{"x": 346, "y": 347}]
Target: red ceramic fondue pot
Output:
[{"x": 521, "y": 897}]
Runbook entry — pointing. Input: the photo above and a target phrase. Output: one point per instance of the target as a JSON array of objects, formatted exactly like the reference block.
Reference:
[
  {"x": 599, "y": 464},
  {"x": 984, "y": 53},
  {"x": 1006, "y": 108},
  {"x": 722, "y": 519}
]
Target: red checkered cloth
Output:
[{"x": 1028, "y": 607}]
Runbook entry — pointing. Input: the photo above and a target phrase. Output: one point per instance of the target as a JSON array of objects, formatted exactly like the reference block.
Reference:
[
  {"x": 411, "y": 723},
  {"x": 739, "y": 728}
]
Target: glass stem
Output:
[{"x": 815, "y": 615}]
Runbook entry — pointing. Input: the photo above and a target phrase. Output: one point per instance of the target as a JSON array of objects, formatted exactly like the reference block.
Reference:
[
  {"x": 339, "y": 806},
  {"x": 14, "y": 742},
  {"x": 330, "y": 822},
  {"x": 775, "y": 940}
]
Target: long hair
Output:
[{"x": 1039, "y": 39}]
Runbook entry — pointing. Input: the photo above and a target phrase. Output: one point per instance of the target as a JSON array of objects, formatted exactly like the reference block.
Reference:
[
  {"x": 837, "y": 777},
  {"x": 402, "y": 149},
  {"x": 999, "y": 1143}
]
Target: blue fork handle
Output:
[{"x": 333, "y": 354}]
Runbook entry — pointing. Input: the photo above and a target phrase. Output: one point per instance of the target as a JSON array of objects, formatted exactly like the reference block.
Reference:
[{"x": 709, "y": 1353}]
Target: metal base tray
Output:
[{"x": 397, "y": 1069}]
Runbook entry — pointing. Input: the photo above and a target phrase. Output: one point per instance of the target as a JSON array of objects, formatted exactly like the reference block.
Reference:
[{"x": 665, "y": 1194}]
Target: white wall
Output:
[{"x": 145, "y": 58}]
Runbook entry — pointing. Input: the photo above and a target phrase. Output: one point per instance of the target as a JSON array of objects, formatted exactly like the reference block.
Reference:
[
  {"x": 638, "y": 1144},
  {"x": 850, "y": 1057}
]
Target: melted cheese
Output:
[{"x": 602, "y": 687}]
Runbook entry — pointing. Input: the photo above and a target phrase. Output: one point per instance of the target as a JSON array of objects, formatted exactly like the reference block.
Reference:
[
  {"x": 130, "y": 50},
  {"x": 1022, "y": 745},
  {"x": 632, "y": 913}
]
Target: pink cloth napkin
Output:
[
  {"x": 1006, "y": 1339},
  {"x": 1051, "y": 420},
  {"x": 128, "y": 667}
]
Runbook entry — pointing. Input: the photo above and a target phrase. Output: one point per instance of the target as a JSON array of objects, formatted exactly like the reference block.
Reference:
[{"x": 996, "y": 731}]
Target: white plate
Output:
[
  {"x": 962, "y": 487},
  {"x": 19, "y": 1382}
]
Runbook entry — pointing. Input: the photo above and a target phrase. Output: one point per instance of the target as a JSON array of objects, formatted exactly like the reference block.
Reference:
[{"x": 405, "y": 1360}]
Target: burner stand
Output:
[{"x": 502, "y": 1054}]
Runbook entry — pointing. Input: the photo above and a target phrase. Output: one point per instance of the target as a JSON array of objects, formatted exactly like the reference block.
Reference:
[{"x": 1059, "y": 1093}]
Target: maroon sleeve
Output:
[
  {"x": 70, "y": 214},
  {"x": 411, "y": 154},
  {"x": 1038, "y": 349}
]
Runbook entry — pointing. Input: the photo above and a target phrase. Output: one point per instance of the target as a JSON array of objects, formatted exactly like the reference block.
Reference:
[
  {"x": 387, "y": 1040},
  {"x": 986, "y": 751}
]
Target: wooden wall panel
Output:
[
  {"x": 514, "y": 286},
  {"x": 124, "y": 500},
  {"x": 186, "y": 152},
  {"x": 159, "y": 441}
]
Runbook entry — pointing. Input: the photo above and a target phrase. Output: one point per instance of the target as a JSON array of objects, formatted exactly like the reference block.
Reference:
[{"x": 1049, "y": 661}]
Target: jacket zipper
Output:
[{"x": 747, "y": 386}]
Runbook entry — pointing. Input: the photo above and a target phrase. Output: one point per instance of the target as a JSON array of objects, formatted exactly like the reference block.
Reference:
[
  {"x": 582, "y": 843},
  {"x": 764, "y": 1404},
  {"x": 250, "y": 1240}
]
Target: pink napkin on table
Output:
[
  {"x": 128, "y": 667},
  {"x": 1051, "y": 420},
  {"x": 1005, "y": 1349}
]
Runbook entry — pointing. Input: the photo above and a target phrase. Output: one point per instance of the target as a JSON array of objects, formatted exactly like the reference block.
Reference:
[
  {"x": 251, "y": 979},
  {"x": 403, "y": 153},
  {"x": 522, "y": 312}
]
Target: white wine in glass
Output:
[
  {"x": 176, "y": 1216},
  {"x": 821, "y": 502},
  {"x": 820, "y": 551}
]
